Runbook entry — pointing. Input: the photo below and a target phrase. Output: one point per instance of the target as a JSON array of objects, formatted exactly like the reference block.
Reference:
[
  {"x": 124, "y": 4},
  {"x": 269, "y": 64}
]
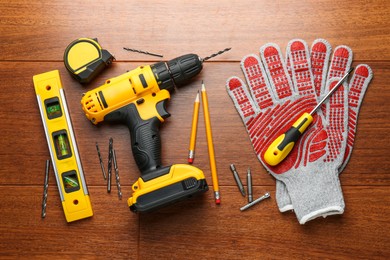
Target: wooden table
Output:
[{"x": 33, "y": 37}]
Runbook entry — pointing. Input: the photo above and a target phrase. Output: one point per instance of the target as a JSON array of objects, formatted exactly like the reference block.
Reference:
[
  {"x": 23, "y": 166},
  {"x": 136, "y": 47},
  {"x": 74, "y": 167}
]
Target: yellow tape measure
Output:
[
  {"x": 84, "y": 58},
  {"x": 62, "y": 146}
]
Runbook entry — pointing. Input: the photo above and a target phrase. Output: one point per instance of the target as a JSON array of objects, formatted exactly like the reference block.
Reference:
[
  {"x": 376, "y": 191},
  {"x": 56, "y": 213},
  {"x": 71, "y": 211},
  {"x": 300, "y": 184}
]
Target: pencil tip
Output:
[{"x": 203, "y": 87}]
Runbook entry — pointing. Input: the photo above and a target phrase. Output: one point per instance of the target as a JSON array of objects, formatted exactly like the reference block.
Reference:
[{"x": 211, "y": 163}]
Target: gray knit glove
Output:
[
  {"x": 273, "y": 102},
  {"x": 340, "y": 62}
]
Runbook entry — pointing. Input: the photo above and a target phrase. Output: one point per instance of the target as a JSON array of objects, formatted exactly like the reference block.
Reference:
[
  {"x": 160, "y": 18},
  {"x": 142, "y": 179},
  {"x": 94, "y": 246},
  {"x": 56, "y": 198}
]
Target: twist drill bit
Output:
[
  {"x": 101, "y": 161},
  {"x": 216, "y": 54},
  {"x": 110, "y": 144},
  {"x": 118, "y": 185},
  {"x": 249, "y": 184},
  {"x": 267, "y": 195},
  {"x": 237, "y": 179},
  {"x": 143, "y": 52},
  {"x": 45, "y": 189}
]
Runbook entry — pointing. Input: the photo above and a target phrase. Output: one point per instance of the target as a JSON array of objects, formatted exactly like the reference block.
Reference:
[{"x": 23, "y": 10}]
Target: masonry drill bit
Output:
[
  {"x": 143, "y": 52},
  {"x": 267, "y": 195},
  {"x": 45, "y": 189},
  {"x": 110, "y": 148},
  {"x": 118, "y": 185},
  {"x": 237, "y": 179},
  {"x": 249, "y": 184},
  {"x": 101, "y": 161},
  {"x": 216, "y": 54}
]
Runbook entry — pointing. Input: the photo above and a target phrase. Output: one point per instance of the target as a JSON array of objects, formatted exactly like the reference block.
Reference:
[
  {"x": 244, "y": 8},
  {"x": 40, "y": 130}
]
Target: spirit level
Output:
[{"x": 62, "y": 146}]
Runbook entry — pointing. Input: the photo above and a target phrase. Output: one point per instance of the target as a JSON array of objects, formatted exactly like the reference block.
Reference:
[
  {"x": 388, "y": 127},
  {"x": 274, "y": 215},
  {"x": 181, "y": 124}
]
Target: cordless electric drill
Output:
[{"x": 138, "y": 99}]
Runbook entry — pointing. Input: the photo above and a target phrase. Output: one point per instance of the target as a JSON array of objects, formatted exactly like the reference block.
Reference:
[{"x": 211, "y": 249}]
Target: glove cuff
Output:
[
  {"x": 315, "y": 194},
  {"x": 282, "y": 198}
]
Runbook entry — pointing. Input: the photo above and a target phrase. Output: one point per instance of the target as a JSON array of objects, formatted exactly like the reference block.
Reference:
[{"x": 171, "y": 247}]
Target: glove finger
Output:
[
  {"x": 241, "y": 98},
  {"x": 319, "y": 59},
  {"x": 337, "y": 119},
  {"x": 357, "y": 88},
  {"x": 276, "y": 70},
  {"x": 257, "y": 80},
  {"x": 340, "y": 63},
  {"x": 302, "y": 77}
]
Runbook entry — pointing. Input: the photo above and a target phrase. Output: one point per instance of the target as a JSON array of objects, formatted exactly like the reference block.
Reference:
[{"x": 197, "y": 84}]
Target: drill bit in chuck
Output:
[{"x": 216, "y": 54}]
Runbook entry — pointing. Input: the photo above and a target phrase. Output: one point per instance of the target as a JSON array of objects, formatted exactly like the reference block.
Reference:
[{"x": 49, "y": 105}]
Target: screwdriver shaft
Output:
[{"x": 339, "y": 83}]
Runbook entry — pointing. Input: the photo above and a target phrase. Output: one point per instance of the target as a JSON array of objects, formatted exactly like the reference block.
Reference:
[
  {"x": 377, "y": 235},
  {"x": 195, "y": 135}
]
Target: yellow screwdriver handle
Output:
[{"x": 283, "y": 145}]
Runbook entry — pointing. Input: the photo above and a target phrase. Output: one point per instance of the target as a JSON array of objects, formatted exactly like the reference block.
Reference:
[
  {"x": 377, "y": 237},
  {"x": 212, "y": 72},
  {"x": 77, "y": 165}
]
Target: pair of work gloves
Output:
[{"x": 279, "y": 91}]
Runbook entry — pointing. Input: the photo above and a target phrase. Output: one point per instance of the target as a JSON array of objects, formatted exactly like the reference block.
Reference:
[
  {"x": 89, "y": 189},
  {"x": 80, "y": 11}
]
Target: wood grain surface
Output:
[{"x": 33, "y": 37}]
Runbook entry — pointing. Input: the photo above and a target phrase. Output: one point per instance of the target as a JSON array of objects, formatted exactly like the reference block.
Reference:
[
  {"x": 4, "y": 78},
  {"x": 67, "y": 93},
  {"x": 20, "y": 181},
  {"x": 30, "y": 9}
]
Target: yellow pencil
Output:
[
  {"x": 195, "y": 116},
  {"x": 210, "y": 145}
]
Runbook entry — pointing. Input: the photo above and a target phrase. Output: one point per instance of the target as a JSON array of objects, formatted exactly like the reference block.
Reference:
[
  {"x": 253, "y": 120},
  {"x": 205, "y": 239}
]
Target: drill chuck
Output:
[
  {"x": 177, "y": 72},
  {"x": 185, "y": 68}
]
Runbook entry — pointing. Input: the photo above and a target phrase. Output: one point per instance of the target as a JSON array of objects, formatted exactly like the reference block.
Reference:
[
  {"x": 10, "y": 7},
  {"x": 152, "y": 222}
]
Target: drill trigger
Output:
[{"x": 161, "y": 109}]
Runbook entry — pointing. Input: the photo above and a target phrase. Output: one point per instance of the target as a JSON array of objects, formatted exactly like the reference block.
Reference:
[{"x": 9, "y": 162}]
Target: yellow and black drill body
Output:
[{"x": 138, "y": 99}]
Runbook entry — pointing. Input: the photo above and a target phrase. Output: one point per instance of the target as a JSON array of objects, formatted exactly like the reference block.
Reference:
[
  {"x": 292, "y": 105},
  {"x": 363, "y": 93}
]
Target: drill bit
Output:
[
  {"x": 249, "y": 184},
  {"x": 110, "y": 148},
  {"x": 101, "y": 161},
  {"x": 45, "y": 189},
  {"x": 118, "y": 185},
  {"x": 267, "y": 195},
  {"x": 143, "y": 52},
  {"x": 216, "y": 54},
  {"x": 237, "y": 179}
]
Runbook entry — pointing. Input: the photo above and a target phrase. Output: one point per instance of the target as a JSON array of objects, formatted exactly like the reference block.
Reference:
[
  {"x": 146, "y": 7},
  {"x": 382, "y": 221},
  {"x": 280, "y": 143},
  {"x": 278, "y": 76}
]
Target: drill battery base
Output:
[{"x": 166, "y": 186}]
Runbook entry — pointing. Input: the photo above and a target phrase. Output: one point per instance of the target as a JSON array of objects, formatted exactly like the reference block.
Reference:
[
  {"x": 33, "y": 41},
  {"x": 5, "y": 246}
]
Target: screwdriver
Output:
[{"x": 282, "y": 146}]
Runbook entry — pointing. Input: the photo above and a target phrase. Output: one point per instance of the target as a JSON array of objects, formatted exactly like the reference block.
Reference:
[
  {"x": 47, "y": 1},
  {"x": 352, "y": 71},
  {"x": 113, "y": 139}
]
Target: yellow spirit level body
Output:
[{"x": 62, "y": 145}]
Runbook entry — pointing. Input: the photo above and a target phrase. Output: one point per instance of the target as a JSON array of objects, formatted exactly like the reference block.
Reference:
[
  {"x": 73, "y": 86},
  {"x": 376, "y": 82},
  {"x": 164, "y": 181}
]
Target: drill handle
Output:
[
  {"x": 146, "y": 144},
  {"x": 145, "y": 137}
]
